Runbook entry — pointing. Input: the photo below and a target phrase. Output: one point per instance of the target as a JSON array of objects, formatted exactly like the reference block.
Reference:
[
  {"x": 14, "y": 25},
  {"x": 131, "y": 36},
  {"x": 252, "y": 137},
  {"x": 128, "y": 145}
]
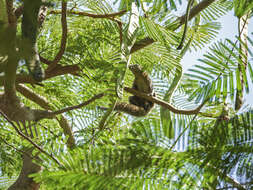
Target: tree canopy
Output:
[{"x": 66, "y": 75}]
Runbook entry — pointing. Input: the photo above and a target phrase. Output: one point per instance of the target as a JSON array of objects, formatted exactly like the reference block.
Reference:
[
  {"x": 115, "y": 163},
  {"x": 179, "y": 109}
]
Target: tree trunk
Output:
[{"x": 24, "y": 182}]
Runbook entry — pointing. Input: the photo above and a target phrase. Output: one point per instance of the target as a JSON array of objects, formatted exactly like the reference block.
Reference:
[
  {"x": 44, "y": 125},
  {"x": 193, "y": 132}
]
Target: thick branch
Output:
[
  {"x": 19, "y": 11},
  {"x": 9, "y": 77},
  {"x": 43, "y": 11},
  {"x": 24, "y": 181},
  {"x": 23, "y": 113},
  {"x": 42, "y": 15},
  {"x": 194, "y": 11},
  {"x": 63, "y": 39},
  {"x": 162, "y": 103},
  {"x": 28, "y": 93},
  {"x": 11, "y": 16},
  {"x": 67, "y": 131},
  {"x": 61, "y": 70}
]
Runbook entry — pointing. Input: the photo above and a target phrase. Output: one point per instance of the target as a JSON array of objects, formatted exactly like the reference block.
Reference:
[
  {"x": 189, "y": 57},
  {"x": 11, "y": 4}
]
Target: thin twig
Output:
[
  {"x": 163, "y": 103},
  {"x": 180, "y": 135},
  {"x": 28, "y": 93},
  {"x": 109, "y": 15},
  {"x": 80, "y": 105},
  {"x": 47, "y": 129},
  {"x": 186, "y": 25},
  {"x": 30, "y": 140},
  {"x": 64, "y": 12},
  {"x": 102, "y": 123},
  {"x": 120, "y": 31},
  {"x": 18, "y": 150},
  {"x": 194, "y": 11}
]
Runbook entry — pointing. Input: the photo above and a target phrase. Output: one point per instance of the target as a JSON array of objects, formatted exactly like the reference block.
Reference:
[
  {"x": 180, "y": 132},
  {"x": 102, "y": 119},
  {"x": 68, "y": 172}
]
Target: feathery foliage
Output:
[{"x": 94, "y": 147}]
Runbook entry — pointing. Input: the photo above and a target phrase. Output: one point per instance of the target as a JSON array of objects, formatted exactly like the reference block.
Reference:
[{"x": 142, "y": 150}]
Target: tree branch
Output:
[
  {"x": 28, "y": 93},
  {"x": 11, "y": 16},
  {"x": 19, "y": 11},
  {"x": 194, "y": 11},
  {"x": 42, "y": 15},
  {"x": 63, "y": 122},
  {"x": 64, "y": 30},
  {"x": 63, "y": 39},
  {"x": 109, "y": 15},
  {"x": 43, "y": 114},
  {"x": 95, "y": 97},
  {"x": 30, "y": 140},
  {"x": 61, "y": 70},
  {"x": 164, "y": 104},
  {"x": 9, "y": 77},
  {"x": 16, "y": 149},
  {"x": 24, "y": 113}
]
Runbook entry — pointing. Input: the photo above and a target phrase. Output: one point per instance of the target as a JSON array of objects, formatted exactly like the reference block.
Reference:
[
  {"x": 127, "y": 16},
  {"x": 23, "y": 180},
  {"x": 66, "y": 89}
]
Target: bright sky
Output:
[{"x": 228, "y": 30}]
